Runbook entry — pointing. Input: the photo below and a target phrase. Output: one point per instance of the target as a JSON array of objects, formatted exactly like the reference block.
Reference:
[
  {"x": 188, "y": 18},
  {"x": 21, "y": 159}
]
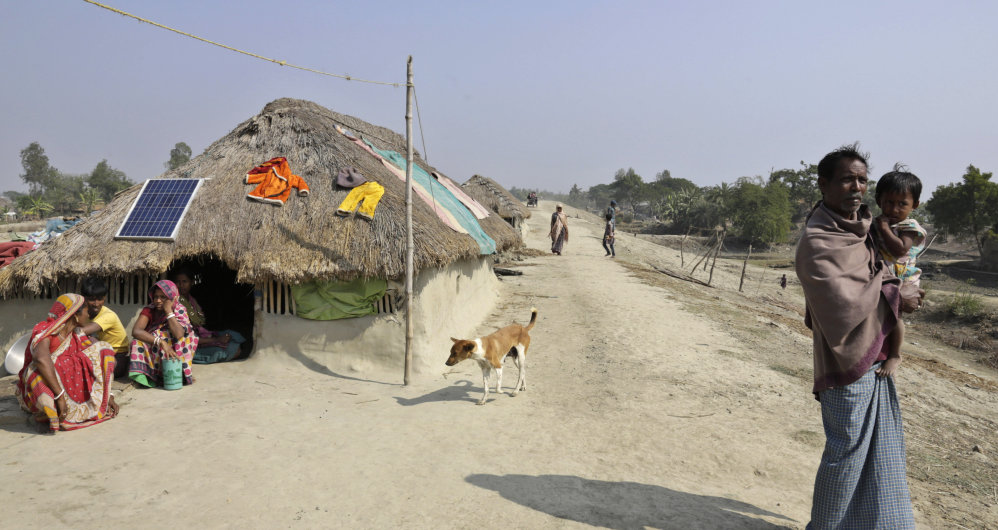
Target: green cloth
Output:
[
  {"x": 335, "y": 300},
  {"x": 141, "y": 379}
]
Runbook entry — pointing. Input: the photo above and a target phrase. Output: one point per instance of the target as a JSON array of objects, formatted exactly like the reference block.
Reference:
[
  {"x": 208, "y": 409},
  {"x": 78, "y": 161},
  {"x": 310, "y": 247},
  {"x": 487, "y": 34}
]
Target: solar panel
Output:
[{"x": 159, "y": 209}]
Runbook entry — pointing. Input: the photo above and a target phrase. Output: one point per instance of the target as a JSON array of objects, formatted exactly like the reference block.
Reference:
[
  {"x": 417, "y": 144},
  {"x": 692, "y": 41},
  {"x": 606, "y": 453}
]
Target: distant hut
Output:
[
  {"x": 253, "y": 258},
  {"x": 498, "y": 199}
]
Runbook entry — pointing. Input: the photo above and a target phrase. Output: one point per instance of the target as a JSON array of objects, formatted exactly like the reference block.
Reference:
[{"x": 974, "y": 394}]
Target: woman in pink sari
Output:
[
  {"x": 163, "y": 330},
  {"x": 66, "y": 378}
]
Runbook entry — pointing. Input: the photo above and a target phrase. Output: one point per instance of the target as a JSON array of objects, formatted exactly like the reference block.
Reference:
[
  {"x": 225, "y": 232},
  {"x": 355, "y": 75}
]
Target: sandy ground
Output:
[{"x": 650, "y": 402}]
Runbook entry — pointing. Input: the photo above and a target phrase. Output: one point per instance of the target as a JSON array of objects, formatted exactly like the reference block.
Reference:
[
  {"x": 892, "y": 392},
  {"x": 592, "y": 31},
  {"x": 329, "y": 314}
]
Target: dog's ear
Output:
[
  {"x": 453, "y": 339},
  {"x": 469, "y": 347}
]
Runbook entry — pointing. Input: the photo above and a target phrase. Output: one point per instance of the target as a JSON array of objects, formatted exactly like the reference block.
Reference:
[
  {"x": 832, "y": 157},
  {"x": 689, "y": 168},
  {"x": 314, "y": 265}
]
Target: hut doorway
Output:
[{"x": 225, "y": 303}]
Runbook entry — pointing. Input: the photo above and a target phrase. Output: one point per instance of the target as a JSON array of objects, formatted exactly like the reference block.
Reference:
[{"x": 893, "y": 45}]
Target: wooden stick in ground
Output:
[
  {"x": 682, "y": 247},
  {"x": 744, "y": 265},
  {"x": 702, "y": 257},
  {"x": 717, "y": 249}
]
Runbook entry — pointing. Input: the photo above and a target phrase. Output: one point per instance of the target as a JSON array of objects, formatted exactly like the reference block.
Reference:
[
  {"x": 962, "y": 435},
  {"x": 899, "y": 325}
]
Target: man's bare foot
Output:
[{"x": 889, "y": 367}]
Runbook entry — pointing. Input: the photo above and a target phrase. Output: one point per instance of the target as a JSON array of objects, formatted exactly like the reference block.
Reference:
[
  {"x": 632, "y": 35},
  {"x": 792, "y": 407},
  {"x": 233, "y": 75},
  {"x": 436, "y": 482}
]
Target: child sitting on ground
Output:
[
  {"x": 900, "y": 241},
  {"x": 608, "y": 236}
]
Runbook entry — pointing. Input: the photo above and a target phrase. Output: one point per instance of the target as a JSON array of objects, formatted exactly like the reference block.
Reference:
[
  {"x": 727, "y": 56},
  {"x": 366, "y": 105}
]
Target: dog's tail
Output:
[{"x": 533, "y": 318}]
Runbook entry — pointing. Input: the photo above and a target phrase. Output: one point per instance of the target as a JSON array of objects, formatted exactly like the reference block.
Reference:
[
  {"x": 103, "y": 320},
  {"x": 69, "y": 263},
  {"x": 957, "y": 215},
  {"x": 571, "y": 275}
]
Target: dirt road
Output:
[{"x": 650, "y": 402}]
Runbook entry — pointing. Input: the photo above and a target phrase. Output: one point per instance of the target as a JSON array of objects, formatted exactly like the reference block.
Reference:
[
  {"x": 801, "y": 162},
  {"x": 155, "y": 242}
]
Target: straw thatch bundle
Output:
[
  {"x": 496, "y": 198},
  {"x": 297, "y": 242}
]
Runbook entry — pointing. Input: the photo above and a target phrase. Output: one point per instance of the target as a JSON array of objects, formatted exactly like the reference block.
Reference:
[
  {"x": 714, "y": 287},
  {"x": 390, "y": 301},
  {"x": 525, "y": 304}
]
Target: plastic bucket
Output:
[{"x": 173, "y": 374}]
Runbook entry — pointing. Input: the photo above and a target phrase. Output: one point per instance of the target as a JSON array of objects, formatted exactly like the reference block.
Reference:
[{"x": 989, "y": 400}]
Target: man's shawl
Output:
[{"x": 850, "y": 305}]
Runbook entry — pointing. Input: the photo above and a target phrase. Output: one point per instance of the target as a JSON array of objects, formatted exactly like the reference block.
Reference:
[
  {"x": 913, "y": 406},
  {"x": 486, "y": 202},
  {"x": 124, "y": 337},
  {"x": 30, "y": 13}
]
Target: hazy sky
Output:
[{"x": 532, "y": 94}]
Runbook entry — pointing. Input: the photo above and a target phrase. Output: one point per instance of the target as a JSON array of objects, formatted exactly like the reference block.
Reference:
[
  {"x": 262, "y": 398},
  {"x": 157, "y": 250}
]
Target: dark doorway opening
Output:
[{"x": 227, "y": 304}]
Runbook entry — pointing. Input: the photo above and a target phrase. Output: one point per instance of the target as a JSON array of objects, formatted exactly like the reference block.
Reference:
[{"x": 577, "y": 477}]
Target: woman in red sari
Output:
[{"x": 66, "y": 378}]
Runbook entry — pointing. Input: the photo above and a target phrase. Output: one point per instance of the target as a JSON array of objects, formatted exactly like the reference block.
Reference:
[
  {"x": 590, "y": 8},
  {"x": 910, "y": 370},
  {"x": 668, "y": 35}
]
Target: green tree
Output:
[
  {"x": 657, "y": 193},
  {"x": 38, "y": 174},
  {"x": 89, "y": 198},
  {"x": 38, "y": 207},
  {"x": 801, "y": 186},
  {"x": 967, "y": 209},
  {"x": 63, "y": 194},
  {"x": 761, "y": 213},
  {"x": 600, "y": 194},
  {"x": 107, "y": 180},
  {"x": 684, "y": 208},
  {"x": 628, "y": 186},
  {"x": 576, "y": 197},
  {"x": 179, "y": 155}
]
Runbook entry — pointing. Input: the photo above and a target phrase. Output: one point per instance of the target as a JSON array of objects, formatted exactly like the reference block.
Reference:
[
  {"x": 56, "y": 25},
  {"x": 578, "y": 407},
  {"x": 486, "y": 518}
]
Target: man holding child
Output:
[{"x": 852, "y": 306}]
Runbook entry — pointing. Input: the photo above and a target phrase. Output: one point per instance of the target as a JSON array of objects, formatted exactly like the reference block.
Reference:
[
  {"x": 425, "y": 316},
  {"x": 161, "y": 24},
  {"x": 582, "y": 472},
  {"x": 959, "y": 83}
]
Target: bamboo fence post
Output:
[
  {"x": 720, "y": 241},
  {"x": 705, "y": 255},
  {"x": 408, "y": 223},
  {"x": 682, "y": 247},
  {"x": 744, "y": 265}
]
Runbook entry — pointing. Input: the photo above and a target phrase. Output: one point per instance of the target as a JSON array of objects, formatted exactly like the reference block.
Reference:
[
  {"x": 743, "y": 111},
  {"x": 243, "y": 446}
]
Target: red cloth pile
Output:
[{"x": 14, "y": 249}]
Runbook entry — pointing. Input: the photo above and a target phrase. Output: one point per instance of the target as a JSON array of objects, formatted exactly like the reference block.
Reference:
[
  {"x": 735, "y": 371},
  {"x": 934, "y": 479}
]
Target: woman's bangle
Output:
[
  {"x": 59, "y": 395},
  {"x": 171, "y": 315},
  {"x": 156, "y": 342}
]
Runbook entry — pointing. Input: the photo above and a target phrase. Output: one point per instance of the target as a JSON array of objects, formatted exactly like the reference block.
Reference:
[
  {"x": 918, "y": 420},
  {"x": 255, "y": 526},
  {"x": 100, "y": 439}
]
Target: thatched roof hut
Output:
[
  {"x": 302, "y": 240},
  {"x": 497, "y": 199},
  {"x": 276, "y": 250}
]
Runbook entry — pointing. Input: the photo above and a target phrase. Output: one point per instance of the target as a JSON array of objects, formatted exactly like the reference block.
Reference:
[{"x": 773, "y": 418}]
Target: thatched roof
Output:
[
  {"x": 297, "y": 242},
  {"x": 495, "y": 197}
]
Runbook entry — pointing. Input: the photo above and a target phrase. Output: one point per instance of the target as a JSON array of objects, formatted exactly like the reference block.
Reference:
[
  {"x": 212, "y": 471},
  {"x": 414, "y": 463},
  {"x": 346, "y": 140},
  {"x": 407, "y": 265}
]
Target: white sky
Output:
[{"x": 532, "y": 93}]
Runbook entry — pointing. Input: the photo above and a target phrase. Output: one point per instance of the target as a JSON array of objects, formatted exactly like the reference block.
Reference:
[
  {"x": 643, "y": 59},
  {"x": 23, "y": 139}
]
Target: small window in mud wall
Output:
[{"x": 277, "y": 299}]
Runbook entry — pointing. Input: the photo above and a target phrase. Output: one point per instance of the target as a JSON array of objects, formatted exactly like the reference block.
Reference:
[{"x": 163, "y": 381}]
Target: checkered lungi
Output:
[{"x": 862, "y": 481}]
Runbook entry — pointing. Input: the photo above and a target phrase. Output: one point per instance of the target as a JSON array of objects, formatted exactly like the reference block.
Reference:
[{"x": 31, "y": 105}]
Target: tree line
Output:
[
  {"x": 53, "y": 192},
  {"x": 768, "y": 210}
]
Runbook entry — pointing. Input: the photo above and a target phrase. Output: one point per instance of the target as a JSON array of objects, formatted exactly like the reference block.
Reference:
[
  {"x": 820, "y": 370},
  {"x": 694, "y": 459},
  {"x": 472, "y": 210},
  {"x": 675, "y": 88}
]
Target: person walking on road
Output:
[
  {"x": 608, "y": 235},
  {"x": 559, "y": 230}
]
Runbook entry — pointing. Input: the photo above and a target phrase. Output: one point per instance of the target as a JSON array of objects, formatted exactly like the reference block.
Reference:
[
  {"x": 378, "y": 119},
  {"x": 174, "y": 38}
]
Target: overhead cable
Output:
[{"x": 220, "y": 45}]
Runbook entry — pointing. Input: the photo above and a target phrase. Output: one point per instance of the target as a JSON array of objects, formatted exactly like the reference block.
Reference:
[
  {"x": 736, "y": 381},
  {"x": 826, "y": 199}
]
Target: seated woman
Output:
[
  {"x": 161, "y": 331},
  {"x": 213, "y": 346},
  {"x": 66, "y": 378}
]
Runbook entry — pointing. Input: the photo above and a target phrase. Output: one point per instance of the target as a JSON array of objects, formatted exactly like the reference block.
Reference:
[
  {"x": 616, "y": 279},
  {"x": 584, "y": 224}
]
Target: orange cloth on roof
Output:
[{"x": 274, "y": 181}]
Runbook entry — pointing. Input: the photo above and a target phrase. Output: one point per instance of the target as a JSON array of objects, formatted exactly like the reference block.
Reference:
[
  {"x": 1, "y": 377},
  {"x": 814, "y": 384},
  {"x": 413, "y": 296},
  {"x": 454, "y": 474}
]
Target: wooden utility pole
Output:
[
  {"x": 408, "y": 223},
  {"x": 744, "y": 265}
]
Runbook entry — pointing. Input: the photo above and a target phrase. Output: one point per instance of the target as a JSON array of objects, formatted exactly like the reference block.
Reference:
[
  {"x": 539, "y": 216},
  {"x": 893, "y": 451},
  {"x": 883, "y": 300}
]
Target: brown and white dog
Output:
[{"x": 491, "y": 350}]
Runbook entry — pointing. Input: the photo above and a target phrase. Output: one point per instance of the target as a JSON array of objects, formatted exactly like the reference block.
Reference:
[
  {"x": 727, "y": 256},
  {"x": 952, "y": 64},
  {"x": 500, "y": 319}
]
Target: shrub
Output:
[{"x": 965, "y": 305}]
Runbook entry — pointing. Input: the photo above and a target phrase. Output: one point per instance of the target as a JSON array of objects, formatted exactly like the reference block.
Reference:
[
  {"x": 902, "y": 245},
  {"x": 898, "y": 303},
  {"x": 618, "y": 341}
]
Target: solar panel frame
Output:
[{"x": 156, "y": 213}]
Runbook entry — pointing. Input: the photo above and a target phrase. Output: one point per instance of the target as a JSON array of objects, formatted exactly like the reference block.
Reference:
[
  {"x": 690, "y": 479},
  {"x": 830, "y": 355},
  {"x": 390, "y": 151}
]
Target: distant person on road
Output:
[
  {"x": 612, "y": 211},
  {"x": 608, "y": 236},
  {"x": 900, "y": 241},
  {"x": 559, "y": 230},
  {"x": 851, "y": 307},
  {"x": 783, "y": 282}
]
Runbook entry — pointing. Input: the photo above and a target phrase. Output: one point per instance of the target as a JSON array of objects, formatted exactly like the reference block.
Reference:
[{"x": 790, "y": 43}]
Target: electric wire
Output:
[{"x": 237, "y": 50}]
